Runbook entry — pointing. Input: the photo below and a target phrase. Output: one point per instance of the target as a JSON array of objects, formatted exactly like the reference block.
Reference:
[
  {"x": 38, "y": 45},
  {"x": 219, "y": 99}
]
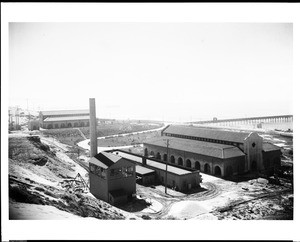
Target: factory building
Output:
[
  {"x": 112, "y": 178},
  {"x": 214, "y": 151},
  {"x": 179, "y": 179},
  {"x": 64, "y": 119}
]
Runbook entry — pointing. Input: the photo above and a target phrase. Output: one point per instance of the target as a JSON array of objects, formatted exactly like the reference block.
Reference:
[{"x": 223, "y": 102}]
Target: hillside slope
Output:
[{"x": 42, "y": 175}]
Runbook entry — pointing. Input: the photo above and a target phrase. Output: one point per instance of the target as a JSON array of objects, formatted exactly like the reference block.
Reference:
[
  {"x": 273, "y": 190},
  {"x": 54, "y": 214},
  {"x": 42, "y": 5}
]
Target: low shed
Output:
[{"x": 145, "y": 176}]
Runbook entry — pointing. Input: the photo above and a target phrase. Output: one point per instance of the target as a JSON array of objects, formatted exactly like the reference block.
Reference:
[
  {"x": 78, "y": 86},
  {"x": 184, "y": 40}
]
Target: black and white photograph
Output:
[{"x": 124, "y": 117}]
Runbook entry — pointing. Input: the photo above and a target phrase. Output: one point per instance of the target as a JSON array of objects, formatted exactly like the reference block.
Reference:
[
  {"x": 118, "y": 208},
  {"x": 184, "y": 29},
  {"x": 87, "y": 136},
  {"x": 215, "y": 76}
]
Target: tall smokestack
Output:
[{"x": 93, "y": 128}]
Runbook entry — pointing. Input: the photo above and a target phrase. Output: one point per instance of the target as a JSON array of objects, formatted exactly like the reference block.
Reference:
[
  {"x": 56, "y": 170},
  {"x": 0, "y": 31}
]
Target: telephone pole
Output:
[{"x": 166, "y": 173}]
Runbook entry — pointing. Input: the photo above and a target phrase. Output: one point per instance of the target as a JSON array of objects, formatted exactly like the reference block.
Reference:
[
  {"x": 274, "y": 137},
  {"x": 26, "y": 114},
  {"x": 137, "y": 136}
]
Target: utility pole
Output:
[{"x": 166, "y": 173}]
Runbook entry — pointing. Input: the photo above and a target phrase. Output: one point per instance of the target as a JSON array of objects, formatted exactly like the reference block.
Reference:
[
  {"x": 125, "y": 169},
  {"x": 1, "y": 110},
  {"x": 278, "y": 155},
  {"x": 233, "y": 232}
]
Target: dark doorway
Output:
[
  {"x": 158, "y": 156},
  {"x": 172, "y": 159},
  {"x": 218, "y": 171},
  {"x": 165, "y": 157},
  {"x": 207, "y": 168},
  {"x": 197, "y": 165},
  {"x": 180, "y": 161}
]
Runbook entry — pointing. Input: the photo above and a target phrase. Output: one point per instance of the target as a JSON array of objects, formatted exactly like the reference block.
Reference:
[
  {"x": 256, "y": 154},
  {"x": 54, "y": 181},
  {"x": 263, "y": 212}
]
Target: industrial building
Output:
[
  {"x": 112, "y": 178},
  {"x": 64, "y": 119},
  {"x": 179, "y": 179},
  {"x": 214, "y": 151}
]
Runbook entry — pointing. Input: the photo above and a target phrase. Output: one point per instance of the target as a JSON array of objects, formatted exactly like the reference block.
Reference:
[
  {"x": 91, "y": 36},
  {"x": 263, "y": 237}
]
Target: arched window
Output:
[
  {"x": 180, "y": 161},
  {"x": 158, "y": 156},
  {"x": 172, "y": 159},
  {"x": 62, "y": 125},
  {"x": 165, "y": 157},
  {"x": 188, "y": 163},
  {"x": 152, "y": 153},
  {"x": 197, "y": 165},
  {"x": 207, "y": 168},
  {"x": 69, "y": 125},
  {"x": 218, "y": 171}
]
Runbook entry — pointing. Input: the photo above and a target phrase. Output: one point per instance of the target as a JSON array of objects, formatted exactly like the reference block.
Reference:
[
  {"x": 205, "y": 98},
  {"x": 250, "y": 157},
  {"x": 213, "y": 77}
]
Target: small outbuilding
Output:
[
  {"x": 144, "y": 175},
  {"x": 112, "y": 178}
]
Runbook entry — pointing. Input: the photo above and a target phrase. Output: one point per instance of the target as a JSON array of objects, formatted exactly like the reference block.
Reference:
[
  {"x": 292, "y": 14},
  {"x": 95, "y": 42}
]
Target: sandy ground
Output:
[{"x": 219, "y": 199}]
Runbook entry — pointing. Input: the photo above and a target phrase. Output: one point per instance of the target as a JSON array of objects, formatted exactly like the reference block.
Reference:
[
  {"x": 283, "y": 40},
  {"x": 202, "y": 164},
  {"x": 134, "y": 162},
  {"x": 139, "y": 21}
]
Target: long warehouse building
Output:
[{"x": 214, "y": 151}]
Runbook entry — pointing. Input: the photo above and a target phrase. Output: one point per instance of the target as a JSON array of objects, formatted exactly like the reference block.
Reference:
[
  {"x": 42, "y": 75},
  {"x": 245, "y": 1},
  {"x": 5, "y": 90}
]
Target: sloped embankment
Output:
[{"x": 39, "y": 175}]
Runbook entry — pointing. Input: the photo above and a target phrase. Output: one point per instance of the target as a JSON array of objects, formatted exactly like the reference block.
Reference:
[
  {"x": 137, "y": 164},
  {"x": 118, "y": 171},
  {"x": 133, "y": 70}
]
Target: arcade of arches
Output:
[
  {"x": 70, "y": 124},
  {"x": 202, "y": 166}
]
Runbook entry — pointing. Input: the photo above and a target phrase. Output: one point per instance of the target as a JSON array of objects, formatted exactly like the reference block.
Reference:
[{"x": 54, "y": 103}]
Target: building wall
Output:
[
  {"x": 126, "y": 183},
  {"x": 234, "y": 166},
  {"x": 253, "y": 150},
  {"x": 271, "y": 161},
  {"x": 98, "y": 187},
  {"x": 65, "y": 124},
  {"x": 148, "y": 179},
  {"x": 180, "y": 182},
  {"x": 210, "y": 165}
]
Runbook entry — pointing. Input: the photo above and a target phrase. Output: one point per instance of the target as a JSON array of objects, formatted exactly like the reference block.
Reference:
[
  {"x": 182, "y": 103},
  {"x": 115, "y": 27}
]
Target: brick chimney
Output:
[{"x": 93, "y": 128}]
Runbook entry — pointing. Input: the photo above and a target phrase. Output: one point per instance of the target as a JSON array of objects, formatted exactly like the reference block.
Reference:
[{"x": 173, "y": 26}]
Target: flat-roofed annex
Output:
[{"x": 154, "y": 164}]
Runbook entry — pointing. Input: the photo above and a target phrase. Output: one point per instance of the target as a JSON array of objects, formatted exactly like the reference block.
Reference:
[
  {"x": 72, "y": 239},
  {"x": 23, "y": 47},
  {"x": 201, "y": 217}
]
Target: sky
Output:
[{"x": 161, "y": 71}]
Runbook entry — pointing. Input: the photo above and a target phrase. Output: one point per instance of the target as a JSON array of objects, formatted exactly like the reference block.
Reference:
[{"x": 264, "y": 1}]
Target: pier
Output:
[{"x": 251, "y": 120}]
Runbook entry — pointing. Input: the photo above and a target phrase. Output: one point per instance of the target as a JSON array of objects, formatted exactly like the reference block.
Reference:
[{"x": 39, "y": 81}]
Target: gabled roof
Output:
[
  {"x": 54, "y": 119},
  {"x": 208, "y": 133},
  {"x": 198, "y": 147},
  {"x": 105, "y": 160},
  {"x": 65, "y": 112},
  {"x": 269, "y": 147}
]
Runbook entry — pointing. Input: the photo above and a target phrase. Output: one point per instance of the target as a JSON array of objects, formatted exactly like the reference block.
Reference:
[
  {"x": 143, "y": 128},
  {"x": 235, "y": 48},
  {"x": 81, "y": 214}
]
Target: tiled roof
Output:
[
  {"x": 270, "y": 147},
  {"x": 65, "y": 112},
  {"x": 143, "y": 170},
  {"x": 105, "y": 159},
  {"x": 198, "y": 147},
  {"x": 72, "y": 118},
  {"x": 208, "y": 133}
]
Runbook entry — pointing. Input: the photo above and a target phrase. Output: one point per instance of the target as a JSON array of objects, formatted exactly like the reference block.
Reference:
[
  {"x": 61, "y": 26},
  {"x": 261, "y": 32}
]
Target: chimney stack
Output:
[{"x": 93, "y": 129}]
